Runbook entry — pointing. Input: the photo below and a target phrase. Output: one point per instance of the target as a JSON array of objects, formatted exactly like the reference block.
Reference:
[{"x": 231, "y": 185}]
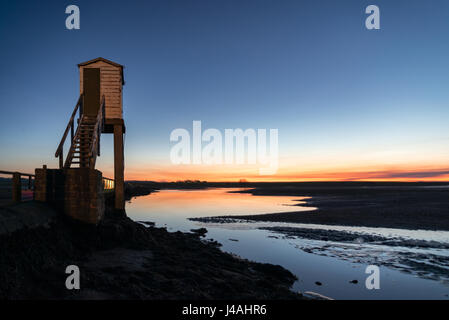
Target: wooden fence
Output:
[
  {"x": 108, "y": 184},
  {"x": 17, "y": 183}
]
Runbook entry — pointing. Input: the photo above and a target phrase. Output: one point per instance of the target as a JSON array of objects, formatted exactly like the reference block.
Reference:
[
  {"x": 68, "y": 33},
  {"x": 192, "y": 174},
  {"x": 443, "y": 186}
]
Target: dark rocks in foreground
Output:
[
  {"x": 122, "y": 259},
  {"x": 148, "y": 223},
  {"x": 24, "y": 215},
  {"x": 201, "y": 231}
]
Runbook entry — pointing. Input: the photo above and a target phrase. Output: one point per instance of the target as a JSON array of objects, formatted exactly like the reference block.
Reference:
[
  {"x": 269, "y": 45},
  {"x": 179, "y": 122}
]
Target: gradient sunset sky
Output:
[{"x": 349, "y": 103}]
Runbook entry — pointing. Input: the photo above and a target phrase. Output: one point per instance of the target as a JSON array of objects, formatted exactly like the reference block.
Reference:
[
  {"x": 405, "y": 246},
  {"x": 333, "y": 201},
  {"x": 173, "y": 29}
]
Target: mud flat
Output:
[
  {"x": 357, "y": 238},
  {"x": 390, "y": 205}
]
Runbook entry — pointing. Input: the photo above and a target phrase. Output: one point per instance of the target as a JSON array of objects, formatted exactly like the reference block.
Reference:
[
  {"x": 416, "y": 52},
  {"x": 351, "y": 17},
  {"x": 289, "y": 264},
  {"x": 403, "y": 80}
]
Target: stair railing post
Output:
[
  {"x": 70, "y": 126},
  {"x": 61, "y": 160}
]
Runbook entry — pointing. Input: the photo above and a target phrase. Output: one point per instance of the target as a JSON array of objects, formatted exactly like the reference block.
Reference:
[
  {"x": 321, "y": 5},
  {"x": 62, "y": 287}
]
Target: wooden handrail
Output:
[
  {"x": 17, "y": 183},
  {"x": 58, "y": 152},
  {"x": 14, "y": 172},
  {"x": 68, "y": 159},
  {"x": 99, "y": 123}
]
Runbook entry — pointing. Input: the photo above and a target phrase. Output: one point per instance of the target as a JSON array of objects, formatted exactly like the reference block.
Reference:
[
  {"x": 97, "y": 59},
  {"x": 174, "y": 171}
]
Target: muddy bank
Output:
[
  {"x": 332, "y": 235},
  {"x": 143, "y": 188},
  {"x": 423, "y": 258},
  {"x": 406, "y": 206},
  {"x": 406, "y": 255},
  {"x": 135, "y": 189},
  {"x": 356, "y": 238},
  {"x": 122, "y": 259}
]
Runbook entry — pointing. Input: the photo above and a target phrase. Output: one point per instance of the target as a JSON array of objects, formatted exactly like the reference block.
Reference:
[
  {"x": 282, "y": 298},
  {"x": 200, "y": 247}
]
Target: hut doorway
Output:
[{"x": 91, "y": 83}]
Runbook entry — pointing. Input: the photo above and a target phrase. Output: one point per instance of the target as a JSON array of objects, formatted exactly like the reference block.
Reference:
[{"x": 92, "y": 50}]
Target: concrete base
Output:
[{"x": 77, "y": 192}]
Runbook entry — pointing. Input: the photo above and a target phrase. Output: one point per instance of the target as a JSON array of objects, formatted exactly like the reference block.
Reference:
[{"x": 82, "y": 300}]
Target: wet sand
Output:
[{"x": 390, "y": 205}]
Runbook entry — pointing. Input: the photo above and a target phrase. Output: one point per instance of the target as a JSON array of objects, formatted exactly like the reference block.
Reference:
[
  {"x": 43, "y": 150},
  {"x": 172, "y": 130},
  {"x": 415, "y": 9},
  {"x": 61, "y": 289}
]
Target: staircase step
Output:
[{"x": 82, "y": 143}]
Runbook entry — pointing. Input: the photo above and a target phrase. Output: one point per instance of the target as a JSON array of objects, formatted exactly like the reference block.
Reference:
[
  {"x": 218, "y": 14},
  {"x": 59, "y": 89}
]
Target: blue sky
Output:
[{"x": 335, "y": 90}]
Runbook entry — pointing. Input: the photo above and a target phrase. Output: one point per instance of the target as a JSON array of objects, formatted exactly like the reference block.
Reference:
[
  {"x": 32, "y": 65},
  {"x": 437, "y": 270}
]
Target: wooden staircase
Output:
[
  {"x": 85, "y": 140},
  {"x": 82, "y": 143}
]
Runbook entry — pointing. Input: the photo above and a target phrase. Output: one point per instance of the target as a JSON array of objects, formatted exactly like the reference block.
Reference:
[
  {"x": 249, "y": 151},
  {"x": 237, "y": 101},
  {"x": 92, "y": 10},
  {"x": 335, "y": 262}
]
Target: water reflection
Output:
[
  {"x": 173, "y": 207},
  {"x": 406, "y": 272}
]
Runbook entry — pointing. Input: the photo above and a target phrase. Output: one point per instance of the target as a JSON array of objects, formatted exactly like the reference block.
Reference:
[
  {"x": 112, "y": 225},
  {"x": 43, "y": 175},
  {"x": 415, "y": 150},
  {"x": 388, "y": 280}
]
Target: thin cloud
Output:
[{"x": 414, "y": 174}]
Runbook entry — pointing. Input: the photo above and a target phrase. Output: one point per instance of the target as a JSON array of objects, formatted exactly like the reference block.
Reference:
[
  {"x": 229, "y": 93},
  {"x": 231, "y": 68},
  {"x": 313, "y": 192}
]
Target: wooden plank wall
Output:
[{"x": 111, "y": 88}]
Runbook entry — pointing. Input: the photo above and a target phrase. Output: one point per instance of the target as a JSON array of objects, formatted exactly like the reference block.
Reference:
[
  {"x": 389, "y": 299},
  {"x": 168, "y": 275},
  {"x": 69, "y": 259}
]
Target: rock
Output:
[
  {"x": 359, "y": 240},
  {"x": 121, "y": 259},
  {"x": 201, "y": 231},
  {"x": 148, "y": 223}
]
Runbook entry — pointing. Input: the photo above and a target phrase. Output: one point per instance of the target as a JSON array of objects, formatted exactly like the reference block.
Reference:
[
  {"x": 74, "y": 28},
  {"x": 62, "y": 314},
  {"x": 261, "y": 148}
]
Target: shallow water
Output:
[{"x": 406, "y": 272}]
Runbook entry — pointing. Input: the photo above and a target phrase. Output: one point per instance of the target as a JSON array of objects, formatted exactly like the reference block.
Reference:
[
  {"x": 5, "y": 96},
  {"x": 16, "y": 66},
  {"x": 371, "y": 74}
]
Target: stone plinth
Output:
[{"x": 77, "y": 192}]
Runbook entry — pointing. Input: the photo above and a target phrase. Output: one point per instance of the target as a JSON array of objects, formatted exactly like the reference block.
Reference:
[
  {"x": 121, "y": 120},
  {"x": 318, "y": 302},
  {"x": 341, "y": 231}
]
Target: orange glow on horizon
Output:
[{"x": 202, "y": 173}]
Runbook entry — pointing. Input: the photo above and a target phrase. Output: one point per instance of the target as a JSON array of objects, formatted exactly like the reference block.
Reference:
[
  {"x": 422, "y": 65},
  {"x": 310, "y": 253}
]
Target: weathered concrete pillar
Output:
[
  {"x": 75, "y": 192},
  {"x": 40, "y": 184},
  {"x": 16, "y": 187},
  {"x": 119, "y": 167},
  {"x": 83, "y": 195}
]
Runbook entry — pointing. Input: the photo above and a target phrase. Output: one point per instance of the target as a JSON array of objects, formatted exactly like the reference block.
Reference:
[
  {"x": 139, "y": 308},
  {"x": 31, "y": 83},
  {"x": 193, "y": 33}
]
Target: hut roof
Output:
[{"x": 106, "y": 61}]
